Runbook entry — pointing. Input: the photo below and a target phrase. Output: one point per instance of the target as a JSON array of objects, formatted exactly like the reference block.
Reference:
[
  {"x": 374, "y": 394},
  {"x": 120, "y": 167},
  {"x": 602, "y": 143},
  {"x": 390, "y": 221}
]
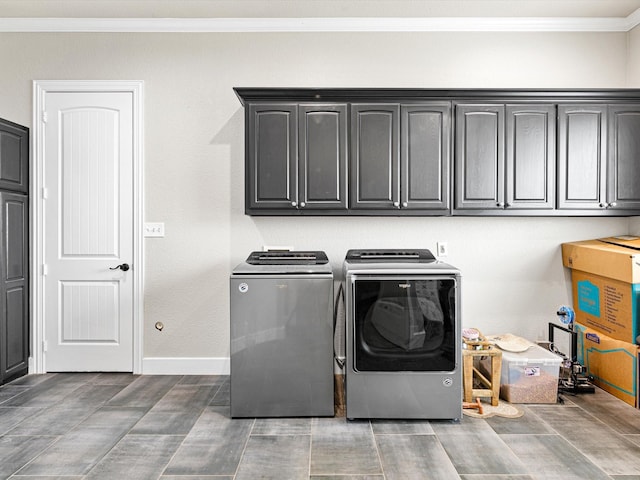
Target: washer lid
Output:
[
  {"x": 286, "y": 263},
  {"x": 287, "y": 258},
  {"x": 390, "y": 255}
]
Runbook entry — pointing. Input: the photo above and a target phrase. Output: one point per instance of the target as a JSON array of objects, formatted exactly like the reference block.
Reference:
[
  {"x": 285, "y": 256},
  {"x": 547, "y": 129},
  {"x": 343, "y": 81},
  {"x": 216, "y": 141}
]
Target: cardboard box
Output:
[
  {"x": 613, "y": 257},
  {"x": 613, "y": 364},
  {"x": 606, "y": 284}
]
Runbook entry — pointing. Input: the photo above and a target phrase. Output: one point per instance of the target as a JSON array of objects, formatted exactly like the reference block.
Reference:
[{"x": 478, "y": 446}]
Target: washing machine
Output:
[
  {"x": 282, "y": 335},
  {"x": 403, "y": 335}
]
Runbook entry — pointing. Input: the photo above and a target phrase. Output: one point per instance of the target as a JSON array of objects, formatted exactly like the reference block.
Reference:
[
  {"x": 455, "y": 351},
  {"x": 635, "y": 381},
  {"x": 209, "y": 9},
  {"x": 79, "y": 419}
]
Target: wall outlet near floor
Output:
[
  {"x": 154, "y": 229},
  {"x": 442, "y": 249}
]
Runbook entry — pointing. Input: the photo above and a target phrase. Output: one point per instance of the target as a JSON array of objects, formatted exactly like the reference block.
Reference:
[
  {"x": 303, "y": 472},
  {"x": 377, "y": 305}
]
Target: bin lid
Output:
[{"x": 536, "y": 355}]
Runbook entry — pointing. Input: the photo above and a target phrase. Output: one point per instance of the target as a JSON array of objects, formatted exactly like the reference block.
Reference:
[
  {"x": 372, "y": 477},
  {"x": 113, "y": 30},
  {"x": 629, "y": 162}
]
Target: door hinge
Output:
[
  {"x": 45, "y": 117},
  {"x": 45, "y": 269},
  {"x": 45, "y": 193},
  {"x": 44, "y": 345}
]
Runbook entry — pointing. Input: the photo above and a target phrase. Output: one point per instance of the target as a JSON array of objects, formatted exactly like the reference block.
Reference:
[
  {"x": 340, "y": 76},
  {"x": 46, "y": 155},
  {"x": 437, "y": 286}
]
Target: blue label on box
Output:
[
  {"x": 589, "y": 298},
  {"x": 593, "y": 337}
]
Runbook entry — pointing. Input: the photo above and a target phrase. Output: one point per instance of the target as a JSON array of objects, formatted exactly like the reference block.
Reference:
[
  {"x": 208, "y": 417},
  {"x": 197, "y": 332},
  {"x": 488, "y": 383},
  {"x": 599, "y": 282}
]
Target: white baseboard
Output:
[{"x": 186, "y": 366}]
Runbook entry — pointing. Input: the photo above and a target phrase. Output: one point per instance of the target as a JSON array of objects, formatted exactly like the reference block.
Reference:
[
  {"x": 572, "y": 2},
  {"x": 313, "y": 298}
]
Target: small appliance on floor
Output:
[
  {"x": 282, "y": 335},
  {"x": 563, "y": 341},
  {"x": 403, "y": 336}
]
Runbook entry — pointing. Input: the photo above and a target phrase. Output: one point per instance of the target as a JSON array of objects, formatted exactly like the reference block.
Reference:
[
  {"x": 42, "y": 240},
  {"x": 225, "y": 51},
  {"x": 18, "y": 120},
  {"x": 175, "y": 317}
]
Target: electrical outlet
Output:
[
  {"x": 154, "y": 229},
  {"x": 442, "y": 249}
]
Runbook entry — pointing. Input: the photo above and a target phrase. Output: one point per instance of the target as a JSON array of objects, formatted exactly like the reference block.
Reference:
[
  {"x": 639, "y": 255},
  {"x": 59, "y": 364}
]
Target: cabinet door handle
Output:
[
  {"x": 613, "y": 205},
  {"x": 507, "y": 205},
  {"x": 396, "y": 204},
  {"x": 500, "y": 204},
  {"x": 603, "y": 205},
  {"x": 302, "y": 204},
  {"x": 293, "y": 204},
  {"x": 405, "y": 204}
]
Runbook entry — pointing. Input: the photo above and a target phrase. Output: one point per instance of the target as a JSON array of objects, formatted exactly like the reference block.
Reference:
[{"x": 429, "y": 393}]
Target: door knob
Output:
[{"x": 124, "y": 267}]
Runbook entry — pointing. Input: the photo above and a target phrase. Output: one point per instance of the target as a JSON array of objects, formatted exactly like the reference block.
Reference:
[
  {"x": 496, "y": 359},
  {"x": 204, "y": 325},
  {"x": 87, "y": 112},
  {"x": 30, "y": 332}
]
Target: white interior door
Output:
[{"x": 88, "y": 244}]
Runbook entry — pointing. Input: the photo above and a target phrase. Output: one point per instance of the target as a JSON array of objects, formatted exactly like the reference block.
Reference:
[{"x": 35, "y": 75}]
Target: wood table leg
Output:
[
  {"x": 467, "y": 371},
  {"x": 496, "y": 368}
]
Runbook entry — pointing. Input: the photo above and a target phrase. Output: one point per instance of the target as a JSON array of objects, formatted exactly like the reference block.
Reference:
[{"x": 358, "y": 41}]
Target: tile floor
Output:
[{"x": 120, "y": 426}]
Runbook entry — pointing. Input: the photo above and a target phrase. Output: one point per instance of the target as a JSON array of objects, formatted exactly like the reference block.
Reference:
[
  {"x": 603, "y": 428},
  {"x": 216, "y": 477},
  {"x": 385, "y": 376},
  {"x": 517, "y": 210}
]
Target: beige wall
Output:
[
  {"x": 633, "y": 81},
  {"x": 633, "y": 76},
  {"x": 513, "y": 277},
  {"x": 634, "y": 57}
]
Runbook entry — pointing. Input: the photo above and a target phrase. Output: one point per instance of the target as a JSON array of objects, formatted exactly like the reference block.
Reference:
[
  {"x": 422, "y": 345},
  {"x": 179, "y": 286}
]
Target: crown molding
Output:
[
  {"x": 325, "y": 24},
  {"x": 633, "y": 20}
]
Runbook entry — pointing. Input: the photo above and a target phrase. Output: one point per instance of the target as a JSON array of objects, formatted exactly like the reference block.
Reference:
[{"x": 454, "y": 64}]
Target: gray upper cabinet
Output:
[
  {"x": 375, "y": 156},
  {"x": 323, "y": 157},
  {"x": 530, "y": 169},
  {"x": 296, "y": 158},
  {"x": 479, "y": 157},
  {"x": 272, "y": 145},
  {"x": 426, "y": 152},
  {"x": 599, "y": 157},
  {"x": 623, "y": 173},
  {"x": 400, "y": 156},
  {"x": 505, "y": 157},
  {"x": 425, "y": 156},
  {"x": 582, "y": 156},
  {"x": 14, "y": 157}
]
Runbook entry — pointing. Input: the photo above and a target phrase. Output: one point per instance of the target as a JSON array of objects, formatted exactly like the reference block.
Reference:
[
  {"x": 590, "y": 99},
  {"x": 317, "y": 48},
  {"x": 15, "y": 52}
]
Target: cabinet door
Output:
[
  {"x": 322, "y": 161},
  {"x": 14, "y": 301},
  {"x": 479, "y": 157},
  {"x": 14, "y": 157},
  {"x": 272, "y": 159},
  {"x": 582, "y": 154},
  {"x": 375, "y": 165},
  {"x": 530, "y": 167},
  {"x": 424, "y": 161},
  {"x": 623, "y": 177}
]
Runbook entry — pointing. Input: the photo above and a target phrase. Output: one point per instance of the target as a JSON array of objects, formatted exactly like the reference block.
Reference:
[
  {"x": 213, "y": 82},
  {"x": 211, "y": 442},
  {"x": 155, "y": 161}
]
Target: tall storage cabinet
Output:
[{"x": 14, "y": 245}]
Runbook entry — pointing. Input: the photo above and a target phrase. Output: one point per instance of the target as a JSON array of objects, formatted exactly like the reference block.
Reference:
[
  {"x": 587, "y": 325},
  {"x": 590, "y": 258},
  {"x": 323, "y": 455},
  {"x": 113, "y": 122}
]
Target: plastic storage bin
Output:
[{"x": 530, "y": 376}]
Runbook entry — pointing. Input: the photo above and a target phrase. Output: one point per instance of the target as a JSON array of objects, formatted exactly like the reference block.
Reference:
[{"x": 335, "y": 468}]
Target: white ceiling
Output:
[
  {"x": 317, "y": 15},
  {"x": 316, "y": 8}
]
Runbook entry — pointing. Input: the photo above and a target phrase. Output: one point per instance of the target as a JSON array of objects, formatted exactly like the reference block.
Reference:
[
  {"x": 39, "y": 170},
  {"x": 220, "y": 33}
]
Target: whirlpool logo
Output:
[{"x": 404, "y": 285}]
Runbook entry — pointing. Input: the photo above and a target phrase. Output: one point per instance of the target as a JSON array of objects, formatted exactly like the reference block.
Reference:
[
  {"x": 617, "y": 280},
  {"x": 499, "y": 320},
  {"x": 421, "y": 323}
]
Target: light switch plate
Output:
[{"x": 154, "y": 229}]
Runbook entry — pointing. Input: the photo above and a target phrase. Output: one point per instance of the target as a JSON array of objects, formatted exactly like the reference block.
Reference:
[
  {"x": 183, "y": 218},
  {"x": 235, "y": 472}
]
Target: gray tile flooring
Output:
[{"x": 121, "y": 426}]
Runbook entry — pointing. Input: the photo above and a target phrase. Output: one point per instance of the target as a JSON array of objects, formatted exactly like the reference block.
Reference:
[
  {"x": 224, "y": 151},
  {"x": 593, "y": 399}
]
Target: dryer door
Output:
[{"x": 404, "y": 323}]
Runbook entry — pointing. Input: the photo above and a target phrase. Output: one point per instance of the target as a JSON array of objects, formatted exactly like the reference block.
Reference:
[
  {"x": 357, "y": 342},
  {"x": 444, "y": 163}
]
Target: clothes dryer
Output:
[{"x": 403, "y": 336}]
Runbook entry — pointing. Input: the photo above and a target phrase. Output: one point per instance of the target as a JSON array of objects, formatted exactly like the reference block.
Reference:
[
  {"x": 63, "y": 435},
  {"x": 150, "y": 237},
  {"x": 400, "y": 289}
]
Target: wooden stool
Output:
[{"x": 492, "y": 383}]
